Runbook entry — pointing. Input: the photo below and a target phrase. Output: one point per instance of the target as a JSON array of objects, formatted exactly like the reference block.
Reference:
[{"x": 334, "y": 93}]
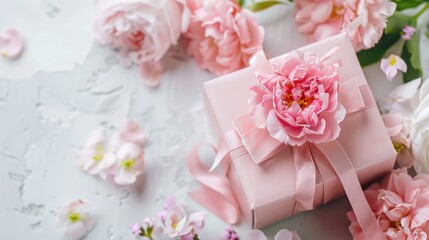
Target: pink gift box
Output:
[{"x": 266, "y": 191}]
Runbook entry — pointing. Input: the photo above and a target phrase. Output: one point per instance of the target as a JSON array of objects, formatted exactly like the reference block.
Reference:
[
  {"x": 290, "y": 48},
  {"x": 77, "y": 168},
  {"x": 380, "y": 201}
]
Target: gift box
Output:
[{"x": 266, "y": 191}]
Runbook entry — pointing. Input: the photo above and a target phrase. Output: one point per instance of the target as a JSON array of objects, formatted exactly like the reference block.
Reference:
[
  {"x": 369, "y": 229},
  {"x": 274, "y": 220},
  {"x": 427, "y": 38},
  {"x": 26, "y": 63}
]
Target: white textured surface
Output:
[{"x": 45, "y": 118}]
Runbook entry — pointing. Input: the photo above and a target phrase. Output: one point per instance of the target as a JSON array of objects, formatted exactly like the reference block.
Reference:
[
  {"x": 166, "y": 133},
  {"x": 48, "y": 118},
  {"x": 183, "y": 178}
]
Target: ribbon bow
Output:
[{"x": 216, "y": 193}]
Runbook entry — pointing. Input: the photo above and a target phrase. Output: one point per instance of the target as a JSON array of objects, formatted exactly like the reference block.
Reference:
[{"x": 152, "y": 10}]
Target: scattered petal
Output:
[
  {"x": 11, "y": 43},
  {"x": 150, "y": 72}
]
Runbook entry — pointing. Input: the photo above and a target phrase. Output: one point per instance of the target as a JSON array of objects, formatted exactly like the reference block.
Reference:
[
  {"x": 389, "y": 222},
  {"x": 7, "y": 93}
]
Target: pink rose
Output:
[
  {"x": 142, "y": 30},
  {"x": 222, "y": 37},
  {"x": 298, "y": 103},
  {"x": 401, "y": 206},
  {"x": 362, "y": 20}
]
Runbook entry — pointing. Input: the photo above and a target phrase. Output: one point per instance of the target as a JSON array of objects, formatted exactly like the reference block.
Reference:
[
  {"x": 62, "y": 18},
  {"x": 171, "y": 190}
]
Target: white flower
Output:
[
  {"x": 129, "y": 164},
  {"x": 96, "y": 158},
  {"x": 419, "y": 133},
  {"x": 391, "y": 65},
  {"x": 75, "y": 219}
]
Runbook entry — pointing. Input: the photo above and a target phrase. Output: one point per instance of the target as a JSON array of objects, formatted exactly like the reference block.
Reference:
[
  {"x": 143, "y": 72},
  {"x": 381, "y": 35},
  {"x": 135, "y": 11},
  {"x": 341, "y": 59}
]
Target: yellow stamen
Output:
[
  {"x": 392, "y": 61},
  {"x": 73, "y": 217},
  {"x": 98, "y": 155},
  {"x": 398, "y": 147},
  {"x": 128, "y": 163},
  {"x": 4, "y": 54}
]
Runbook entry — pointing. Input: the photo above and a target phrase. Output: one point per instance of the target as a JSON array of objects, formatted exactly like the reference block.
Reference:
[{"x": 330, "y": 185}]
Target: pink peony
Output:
[
  {"x": 298, "y": 102},
  {"x": 362, "y": 20},
  {"x": 401, "y": 206},
  {"x": 222, "y": 37}
]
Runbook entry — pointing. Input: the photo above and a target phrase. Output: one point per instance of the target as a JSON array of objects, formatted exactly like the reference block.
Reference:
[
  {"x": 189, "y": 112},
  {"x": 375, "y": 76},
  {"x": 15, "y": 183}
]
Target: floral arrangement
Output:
[{"x": 299, "y": 95}]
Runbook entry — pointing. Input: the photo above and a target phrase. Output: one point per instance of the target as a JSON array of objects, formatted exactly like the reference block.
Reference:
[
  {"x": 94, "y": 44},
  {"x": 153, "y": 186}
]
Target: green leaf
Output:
[
  {"x": 373, "y": 55},
  {"x": 413, "y": 47},
  {"x": 396, "y": 23},
  {"x": 406, "y": 4},
  {"x": 241, "y": 3},
  {"x": 259, "y": 6},
  {"x": 412, "y": 73}
]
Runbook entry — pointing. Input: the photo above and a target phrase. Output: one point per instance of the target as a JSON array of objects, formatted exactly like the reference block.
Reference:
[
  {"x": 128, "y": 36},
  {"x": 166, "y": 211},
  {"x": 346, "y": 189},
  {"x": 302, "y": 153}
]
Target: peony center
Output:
[
  {"x": 398, "y": 147},
  {"x": 73, "y": 217},
  {"x": 337, "y": 11},
  {"x": 128, "y": 163},
  {"x": 99, "y": 154},
  {"x": 396, "y": 225},
  {"x": 288, "y": 99}
]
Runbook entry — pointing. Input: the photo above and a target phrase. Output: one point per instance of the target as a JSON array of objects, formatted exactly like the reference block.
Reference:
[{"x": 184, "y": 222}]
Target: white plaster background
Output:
[{"x": 65, "y": 85}]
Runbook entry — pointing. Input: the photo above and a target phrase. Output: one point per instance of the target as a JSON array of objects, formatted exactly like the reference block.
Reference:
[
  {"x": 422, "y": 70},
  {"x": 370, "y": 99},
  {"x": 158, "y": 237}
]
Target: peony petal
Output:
[
  {"x": 150, "y": 72},
  {"x": 422, "y": 217}
]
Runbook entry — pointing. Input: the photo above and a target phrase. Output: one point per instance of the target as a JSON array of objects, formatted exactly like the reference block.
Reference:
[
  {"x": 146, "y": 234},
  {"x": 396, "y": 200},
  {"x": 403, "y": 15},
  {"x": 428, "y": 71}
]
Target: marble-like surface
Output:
[{"x": 65, "y": 85}]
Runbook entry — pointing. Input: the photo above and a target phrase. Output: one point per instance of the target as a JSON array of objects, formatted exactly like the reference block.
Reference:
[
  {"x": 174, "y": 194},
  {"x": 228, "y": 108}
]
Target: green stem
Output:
[{"x": 415, "y": 17}]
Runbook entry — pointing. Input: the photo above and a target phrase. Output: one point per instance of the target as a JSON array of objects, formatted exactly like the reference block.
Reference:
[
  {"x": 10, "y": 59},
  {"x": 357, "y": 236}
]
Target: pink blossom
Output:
[
  {"x": 298, "y": 102},
  {"x": 229, "y": 234},
  {"x": 408, "y": 32},
  {"x": 401, "y": 206},
  {"x": 75, "y": 219},
  {"x": 362, "y": 20},
  {"x": 129, "y": 164},
  {"x": 222, "y": 37},
  {"x": 11, "y": 43},
  {"x": 176, "y": 223},
  {"x": 136, "y": 229},
  {"x": 391, "y": 65},
  {"x": 141, "y": 30},
  {"x": 97, "y": 157},
  {"x": 283, "y": 234}
]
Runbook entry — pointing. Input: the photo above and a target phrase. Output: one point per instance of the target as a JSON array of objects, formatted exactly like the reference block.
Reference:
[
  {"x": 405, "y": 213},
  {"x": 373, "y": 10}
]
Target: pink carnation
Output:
[
  {"x": 362, "y": 20},
  {"x": 401, "y": 206},
  {"x": 298, "y": 102},
  {"x": 222, "y": 37}
]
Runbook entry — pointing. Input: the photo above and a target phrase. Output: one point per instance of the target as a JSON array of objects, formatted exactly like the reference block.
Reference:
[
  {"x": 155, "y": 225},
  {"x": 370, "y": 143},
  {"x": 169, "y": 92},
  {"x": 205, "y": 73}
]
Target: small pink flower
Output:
[
  {"x": 362, "y": 20},
  {"x": 408, "y": 32},
  {"x": 398, "y": 128},
  {"x": 391, "y": 65},
  {"x": 129, "y": 164},
  {"x": 222, "y": 37},
  {"x": 75, "y": 219},
  {"x": 229, "y": 234},
  {"x": 11, "y": 43},
  {"x": 283, "y": 234},
  {"x": 298, "y": 103},
  {"x": 136, "y": 229},
  {"x": 176, "y": 223},
  {"x": 401, "y": 206},
  {"x": 96, "y": 158}
]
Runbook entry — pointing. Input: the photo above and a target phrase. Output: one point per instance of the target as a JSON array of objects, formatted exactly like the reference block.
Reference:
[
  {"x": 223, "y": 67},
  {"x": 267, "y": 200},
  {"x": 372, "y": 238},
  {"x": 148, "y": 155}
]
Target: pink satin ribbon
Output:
[{"x": 216, "y": 193}]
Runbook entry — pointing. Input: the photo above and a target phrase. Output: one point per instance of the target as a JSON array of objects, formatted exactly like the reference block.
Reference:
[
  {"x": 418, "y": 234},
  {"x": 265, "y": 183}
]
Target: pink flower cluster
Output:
[
  {"x": 362, "y": 20},
  {"x": 298, "y": 103},
  {"x": 222, "y": 37},
  {"x": 121, "y": 159},
  {"x": 175, "y": 223},
  {"x": 401, "y": 206}
]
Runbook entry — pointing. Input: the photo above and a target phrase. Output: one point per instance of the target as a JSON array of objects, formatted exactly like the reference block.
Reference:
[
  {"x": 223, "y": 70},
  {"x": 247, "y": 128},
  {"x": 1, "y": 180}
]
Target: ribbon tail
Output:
[
  {"x": 215, "y": 193},
  {"x": 347, "y": 174},
  {"x": 305, "y": 178}
]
